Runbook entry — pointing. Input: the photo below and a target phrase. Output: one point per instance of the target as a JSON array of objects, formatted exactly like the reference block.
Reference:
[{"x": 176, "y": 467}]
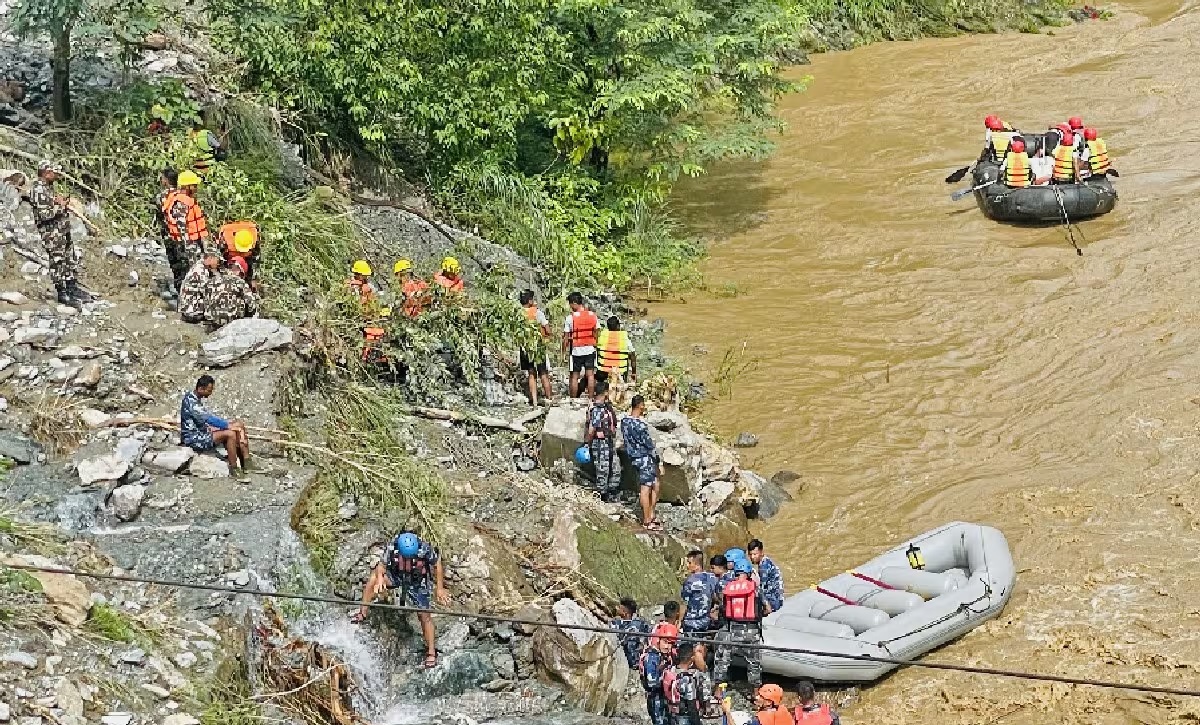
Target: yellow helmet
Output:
[
  {"x": 361, "y": 267},
  {"x": 402, "y": 265},
  {"x": 450, "y": 264},
  {"x": 243, "y": 241},
  {"x": 188, "y": 178},
  {"x": 385, "y": 312}
]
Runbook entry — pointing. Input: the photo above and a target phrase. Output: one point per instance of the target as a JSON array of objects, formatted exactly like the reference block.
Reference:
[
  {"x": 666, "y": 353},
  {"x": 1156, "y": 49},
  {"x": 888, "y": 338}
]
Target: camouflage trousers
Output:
[
  {"x": 191, "y": 252},
  {"x": 176, "y": 259},
  {"x": 61, "y": 253},
  {"x": 608, "y": 466},
  {"x": 728, "y": 639}
]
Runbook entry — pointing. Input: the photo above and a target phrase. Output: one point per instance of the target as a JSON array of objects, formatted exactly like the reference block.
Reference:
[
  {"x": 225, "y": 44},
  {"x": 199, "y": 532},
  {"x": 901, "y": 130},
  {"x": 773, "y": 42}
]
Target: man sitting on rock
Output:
[
  {"x": 409, "y": 563},
  {"x": 203, "y": 431}
]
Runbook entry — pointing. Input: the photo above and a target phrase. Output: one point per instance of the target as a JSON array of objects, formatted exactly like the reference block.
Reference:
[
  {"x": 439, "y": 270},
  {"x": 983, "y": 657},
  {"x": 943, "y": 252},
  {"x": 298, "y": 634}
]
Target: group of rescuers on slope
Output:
[{"x": 1079, "y": 155}]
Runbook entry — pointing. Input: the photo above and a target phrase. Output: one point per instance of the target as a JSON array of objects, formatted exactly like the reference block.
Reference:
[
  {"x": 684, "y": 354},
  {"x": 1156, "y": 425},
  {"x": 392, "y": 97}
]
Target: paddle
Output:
[
  {"x": 957, "y": 176},
  {"x": 960, "y": 194},
  {"x": 1066, "y": 221},
  {"x": 1113, "y": 172}
]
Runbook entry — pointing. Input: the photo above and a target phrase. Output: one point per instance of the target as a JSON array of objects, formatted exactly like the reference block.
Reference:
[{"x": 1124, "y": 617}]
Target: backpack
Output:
[
  {"x": 641, "y": 666},
  {"x": 671, "y": 683},
  {"x": 741, "y": 601}
]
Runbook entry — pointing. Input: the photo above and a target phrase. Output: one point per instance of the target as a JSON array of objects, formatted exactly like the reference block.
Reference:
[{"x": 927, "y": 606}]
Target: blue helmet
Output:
[
  {"x": 734, "y": 555},
  {"x": 743, "y": 566},
  {"x": 583, "y": 455},
  {"x": 408, "y": 545}
]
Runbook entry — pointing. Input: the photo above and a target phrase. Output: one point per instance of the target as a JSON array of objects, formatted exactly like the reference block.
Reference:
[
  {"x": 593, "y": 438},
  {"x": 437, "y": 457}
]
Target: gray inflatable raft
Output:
[
  {"x": 1091, "y": 198},
  {"x": 899, "y": 612}
]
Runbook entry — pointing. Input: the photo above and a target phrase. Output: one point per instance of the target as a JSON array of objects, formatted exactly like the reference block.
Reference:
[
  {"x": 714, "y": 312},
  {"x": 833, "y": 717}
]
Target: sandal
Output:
[
  {"x": 654, "y": 525},
  {"x": 357, "y": 617},
  {"x": 431, "y": 660}
]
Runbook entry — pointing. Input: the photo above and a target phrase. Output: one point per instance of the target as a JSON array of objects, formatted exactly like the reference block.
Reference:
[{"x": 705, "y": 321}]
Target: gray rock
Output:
[
  {"x": 783, "y": 478},
  {"x": 24, "y": 659},
  {"x": 78, "y": 352},
  {"x": 208, "y": 467},
  {"x": 588, "y": 664},
  {"x": 453, "y": 636},
  {"x": 31, "y": 268},
  {"x": 506, "y": 666},
  {"x": 239, "y": 578},
  {"x": 34, "y": 336},
  {"x": 102, "y": 468},
  {"x": 89, "y": 375},
  {"x": 185, "y": 660},
  {"x": 130, "y": 450},
  {"x": 68, "y": 699},
  {"x": 19, "y": 448},
  {"x": 5, "y": 712},
  {"x": 135, "y": 656},
  {"x": 530, "y": 613},
  {"x": 161, "y": 693},
  {"x": 117, "y": 718},
  {"x": 746, "y": 440},
  {"x": 14, "y": 298},
  {"x": 562, "y": 433},
  {"x": 667, "y": 420},
  {"x": 30, "y": 720},
  {"x": 504, "y": 631},
  {"x": 347, "y": 510},
  {"x": 93, "y": 418},
  {"x": 171, "y": 460},
  {"x": 180, "y": 718},
  {"x": 119, "y": 250},
  {"x": 770, "y": 496},
  {"x": 242, "y": 338},
  {"x": 127, "y": 501}
]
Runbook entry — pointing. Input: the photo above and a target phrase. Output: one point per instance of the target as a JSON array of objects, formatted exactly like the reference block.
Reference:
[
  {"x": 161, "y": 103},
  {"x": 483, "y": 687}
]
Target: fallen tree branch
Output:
[{"x": 457, "y": 416}]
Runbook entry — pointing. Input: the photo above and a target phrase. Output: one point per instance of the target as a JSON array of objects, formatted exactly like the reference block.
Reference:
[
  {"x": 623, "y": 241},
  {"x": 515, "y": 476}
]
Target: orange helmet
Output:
[
  {"x": 663, "y": 630},
  {"x": 772, "y": 694},
  {"x": 1090, "y": 134}
]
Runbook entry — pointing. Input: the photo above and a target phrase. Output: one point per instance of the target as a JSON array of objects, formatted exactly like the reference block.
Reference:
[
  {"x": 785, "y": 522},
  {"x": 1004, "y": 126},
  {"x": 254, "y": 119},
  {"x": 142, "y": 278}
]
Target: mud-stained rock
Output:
[
  {"x": 588, "y": 664},
  {"x": 761, "y": 498},
  {"x": 621, "y": 563}
]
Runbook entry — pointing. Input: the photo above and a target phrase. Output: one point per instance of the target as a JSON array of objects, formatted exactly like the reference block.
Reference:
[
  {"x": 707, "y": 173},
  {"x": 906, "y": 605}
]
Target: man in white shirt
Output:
[
  {"x": 1042, "y": 166},
  {"x": 580, "y": 333}
]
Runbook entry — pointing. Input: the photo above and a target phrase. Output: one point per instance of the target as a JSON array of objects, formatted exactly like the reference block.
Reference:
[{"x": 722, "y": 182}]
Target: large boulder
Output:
[
  {"x": 111, "y": 467},
  {"x": 242, "y": 338},
  {"x": 19, "y": 448},
  {"x": 209, "y": 467},
  {"x": 621, "y": 563},
  {"x": 680, "y": 453},
  {"x": 761, "y": 498},
  {"x": 717, "y": 462},
  {"x": 171, "y": 460},
  {"x": 67, "y": 596},
  {"x": 562, "y": 433},
  {"x": 589, "y": 664}
]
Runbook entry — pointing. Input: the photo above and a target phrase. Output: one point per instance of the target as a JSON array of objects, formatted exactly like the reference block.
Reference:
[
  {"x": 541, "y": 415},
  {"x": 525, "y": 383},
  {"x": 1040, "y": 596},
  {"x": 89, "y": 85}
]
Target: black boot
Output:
[
  {"x": 64, "y": 297},
  {"x": 78, "y": 293}
]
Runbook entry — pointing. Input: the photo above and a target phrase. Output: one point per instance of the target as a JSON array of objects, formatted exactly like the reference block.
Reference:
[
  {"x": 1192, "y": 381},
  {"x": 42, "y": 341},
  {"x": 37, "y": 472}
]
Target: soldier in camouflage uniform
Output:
[
  {"x": 174, "y": 249},
  {"x": 198, "y": 287},
  {"x": 231, "y": 298},
  {"x": 186, "y": 223},
  {"x": 54, "y": 224}
]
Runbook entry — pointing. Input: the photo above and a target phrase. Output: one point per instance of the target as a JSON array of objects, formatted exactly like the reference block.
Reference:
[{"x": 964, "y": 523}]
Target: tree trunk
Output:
[{"x": 61, "y": 94}]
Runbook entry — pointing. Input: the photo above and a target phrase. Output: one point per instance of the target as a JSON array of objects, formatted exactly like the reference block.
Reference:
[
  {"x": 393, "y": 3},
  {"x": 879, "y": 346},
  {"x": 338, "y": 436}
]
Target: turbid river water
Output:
[{"x": 918, "y": 364}]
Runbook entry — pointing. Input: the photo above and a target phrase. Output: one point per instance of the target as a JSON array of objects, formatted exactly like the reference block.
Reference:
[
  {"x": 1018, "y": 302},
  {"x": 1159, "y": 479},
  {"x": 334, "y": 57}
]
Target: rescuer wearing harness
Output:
[
  {"x": 615, "y": 357},
  {"x": 1018, "y": 173},
  {"x": 653, "y": 664},
  {"x": 580, "y": 333},
  {"x": 742, "y": 609},
  {"x": 808, "y": 712},
  {"x": 409, "y": 564}
]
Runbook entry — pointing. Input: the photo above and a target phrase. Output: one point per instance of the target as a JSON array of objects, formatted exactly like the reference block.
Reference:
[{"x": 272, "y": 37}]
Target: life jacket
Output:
[
  {"x": 531, "y": 314},
  {"x": 1001, "y": 140},
  {"x": 613, "y": 351},
  {"x": 450, "y": 285},
  {"x": 413, "y": 291},
  {"x": 741, "y": 601},
  {"x": 361, "y": 288},
  {"x": 1098, "y": 162},
  {"x": 206, "y": 155},
  {"x": 228, "y": 231},
  {"x": 1064, "y": 163},
  {"x": 775, "y": 716},
  {"x": 608, "y": 422},
  {"x": 372, "y": 335},
  {"x": 197, "y": 225},
  {"x": 671, "y": 681},
  {"x": 820, "y": 716},
  {"x": 1017, "y": 172},
  {"x": 583, "y": 328},
  {"x": 410, "y": 572}
]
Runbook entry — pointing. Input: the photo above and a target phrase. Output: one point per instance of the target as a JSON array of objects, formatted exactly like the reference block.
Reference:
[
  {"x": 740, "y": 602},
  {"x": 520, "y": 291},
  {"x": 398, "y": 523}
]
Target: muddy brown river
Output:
[{"x": 918, "y": 364}]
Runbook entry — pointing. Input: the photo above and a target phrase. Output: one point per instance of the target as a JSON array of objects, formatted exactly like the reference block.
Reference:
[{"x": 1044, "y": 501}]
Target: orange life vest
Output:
[
  {"x": 820, "y": 716},
  {"x": 1017, "y": 172},
  {"x": 1098, "y": 157},
  {"x": 228, "y": 231},
  {"x": 450, "y": 285},
  {"x": 414, "y": 296},
  {"x": 531, "y": 313},
  {"x": 741, "y": 603},
  {"x": 197, "y": 225},
  {"x": 1064, "y": 163},
  {"x": 372, "y": 336},
  {"x": 583, "y": 328},
  {"x": 361, "y": 288}
]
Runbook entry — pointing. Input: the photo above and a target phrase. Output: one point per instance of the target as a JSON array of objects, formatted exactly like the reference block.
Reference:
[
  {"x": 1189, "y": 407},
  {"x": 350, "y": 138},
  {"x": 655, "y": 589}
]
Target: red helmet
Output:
[
  {"x": 1090, "y": 134},
  {"x": 1075, "y": 122},
  {"x": 664, "y": 630},
  {"x": 993, "y": 123},
  {"x": 1065, "y": 128},
  {"x": 1017, "y": 146},
  {"x": 1068, "y": 138}
]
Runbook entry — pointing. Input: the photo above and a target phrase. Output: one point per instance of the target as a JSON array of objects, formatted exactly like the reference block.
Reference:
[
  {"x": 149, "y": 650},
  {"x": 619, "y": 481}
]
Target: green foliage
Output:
[
  {"x": 141, "y": 102},
  {"x": 111, "y": 624}
]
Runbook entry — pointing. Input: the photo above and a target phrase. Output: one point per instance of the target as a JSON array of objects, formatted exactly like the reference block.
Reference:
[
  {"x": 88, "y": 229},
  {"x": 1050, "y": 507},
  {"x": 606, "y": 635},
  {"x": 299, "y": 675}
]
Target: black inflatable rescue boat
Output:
[{"x": 1092, "y": 197}]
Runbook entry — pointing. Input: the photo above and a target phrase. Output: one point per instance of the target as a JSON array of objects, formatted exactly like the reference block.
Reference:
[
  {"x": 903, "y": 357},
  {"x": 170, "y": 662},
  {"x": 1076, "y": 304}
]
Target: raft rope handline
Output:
[
  {"x": 1016, "y": 674},
  {"x": 1066, "y": 220}
]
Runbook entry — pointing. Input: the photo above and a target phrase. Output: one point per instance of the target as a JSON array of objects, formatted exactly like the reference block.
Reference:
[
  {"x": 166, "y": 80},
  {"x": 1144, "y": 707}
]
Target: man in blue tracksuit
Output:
[
  {"x": 203, "y": 431},
  {"x": 699, "y": 595}
]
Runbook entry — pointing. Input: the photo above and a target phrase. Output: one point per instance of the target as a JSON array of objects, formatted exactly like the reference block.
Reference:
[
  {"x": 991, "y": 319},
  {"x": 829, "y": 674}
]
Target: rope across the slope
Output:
[{"x": 1017, "y": 674}]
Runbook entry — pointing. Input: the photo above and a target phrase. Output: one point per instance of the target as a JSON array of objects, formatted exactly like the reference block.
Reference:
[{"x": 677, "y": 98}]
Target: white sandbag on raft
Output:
[{"x": 928, "y": 584}]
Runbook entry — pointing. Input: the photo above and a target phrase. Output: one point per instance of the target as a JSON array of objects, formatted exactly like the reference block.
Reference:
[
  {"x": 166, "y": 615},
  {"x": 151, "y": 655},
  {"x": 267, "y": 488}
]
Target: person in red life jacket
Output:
[
  {"x": 534, "y": 362},
  {"x": 601, "y": 439},
  {"x": 742, "y": 607},
  {"x": 686, "y": 689},
  {"x": 409, "y": 564},
  {"x": 653, "y": 665},
  {"x": 809, "y": 712},
  {"x": 580, "y": 333}
]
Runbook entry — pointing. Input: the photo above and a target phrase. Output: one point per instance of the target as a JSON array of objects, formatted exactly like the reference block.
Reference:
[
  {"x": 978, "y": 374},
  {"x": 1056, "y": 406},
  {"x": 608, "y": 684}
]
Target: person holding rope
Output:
[{"x": 409, "y": 564}]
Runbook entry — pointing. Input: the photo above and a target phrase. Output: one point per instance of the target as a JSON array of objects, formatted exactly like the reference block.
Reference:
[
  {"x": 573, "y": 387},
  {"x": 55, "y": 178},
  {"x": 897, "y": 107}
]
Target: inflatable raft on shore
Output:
[{"x": 886, "y": 608}]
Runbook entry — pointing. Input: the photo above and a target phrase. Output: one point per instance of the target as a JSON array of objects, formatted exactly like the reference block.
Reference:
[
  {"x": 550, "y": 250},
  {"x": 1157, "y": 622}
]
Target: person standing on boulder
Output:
[
  {"x": 53, "y": 218},
  {"x": 643, "y": 456},
  {"x": 601, "y": 439},
  {"x": 580, "y": 333},
  {"x": 768, "y": 576},
  {"x": 411, "y": 565},
  {"x": 203, "y": 431}
]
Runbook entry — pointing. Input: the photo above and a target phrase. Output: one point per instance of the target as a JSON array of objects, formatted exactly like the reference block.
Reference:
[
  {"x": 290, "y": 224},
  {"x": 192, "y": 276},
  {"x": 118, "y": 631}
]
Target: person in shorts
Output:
[
  {"x": 203, "y": 431},
  {"x": 413, "y": 566},
  {"x": 643, "y": 456},
  {"x": 534, "y": 364},
  {"x": 580, "y": 334}
]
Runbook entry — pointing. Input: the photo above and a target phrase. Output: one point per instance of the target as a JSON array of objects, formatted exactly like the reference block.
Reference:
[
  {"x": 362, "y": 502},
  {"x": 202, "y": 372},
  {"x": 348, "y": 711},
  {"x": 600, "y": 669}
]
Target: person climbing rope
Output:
[{"x": 409, "y": 564}]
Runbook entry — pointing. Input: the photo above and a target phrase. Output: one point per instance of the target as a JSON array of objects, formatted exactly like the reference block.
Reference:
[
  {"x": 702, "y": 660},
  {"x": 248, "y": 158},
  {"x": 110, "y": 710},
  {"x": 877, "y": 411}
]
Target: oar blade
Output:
[{"x": 957, "y": 176}]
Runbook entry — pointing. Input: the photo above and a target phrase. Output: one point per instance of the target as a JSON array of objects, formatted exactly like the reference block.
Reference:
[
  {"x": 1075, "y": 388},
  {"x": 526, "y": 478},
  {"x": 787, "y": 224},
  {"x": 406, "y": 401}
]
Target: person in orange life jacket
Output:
[
  {"x": 241, "y": 242},
  {"x": 601, "y": 439},
  {"x": 653, "y": 664},
  {"x": 809, "y": 712},
  {"x": 699, "y": 594},
  {"x": 685, "y": 689},
  {"x": 414, "y": 293},
  {"x": 742, "y": 606},
  {"x": 615, "y": 355},
  {"x": 768, "y": 705},
  {"x": 408, "y": 565},
  {"x": 628, "y": 626},
  {"x": 359, "y": 282},
  {"x": 1065, "y": 162},
  {"x": 580, "y": 334},
  {"x": 536, "y": 366},
  {"x": 450, "y": 277},
  {"x": 186, "y": 222}
]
